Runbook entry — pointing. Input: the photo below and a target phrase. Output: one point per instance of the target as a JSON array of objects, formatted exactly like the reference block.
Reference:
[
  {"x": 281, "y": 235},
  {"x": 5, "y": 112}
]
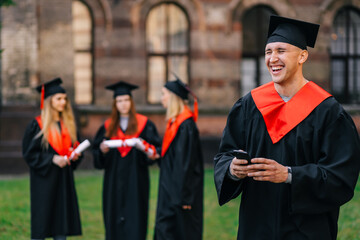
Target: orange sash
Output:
[
  {"x": 60, "y": 142},
  {"x": 281, "y": 117},
  {"x": 173, "y": 127},
  {"x": 124, "y": 150}
]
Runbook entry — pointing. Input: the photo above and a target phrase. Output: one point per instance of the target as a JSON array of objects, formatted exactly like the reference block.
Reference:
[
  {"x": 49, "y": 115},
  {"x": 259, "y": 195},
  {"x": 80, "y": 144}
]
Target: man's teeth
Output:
[{"x": 276, "y": 68}]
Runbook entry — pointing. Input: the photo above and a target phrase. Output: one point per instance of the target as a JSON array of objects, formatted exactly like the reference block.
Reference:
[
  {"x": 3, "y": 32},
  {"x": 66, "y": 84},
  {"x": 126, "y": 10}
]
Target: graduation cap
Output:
[
  {"x": 182, "y": 90},
  {"x": 50, "y": 88},
  {"x": 292, "y": 31},
  {"x": 121, "y": 88},
  {"x": 179, "y": 88}
]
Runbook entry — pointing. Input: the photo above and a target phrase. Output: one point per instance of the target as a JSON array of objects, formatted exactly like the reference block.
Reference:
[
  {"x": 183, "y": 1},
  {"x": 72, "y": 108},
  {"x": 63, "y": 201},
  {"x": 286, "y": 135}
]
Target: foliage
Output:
[{"x": 6, "y": 3}]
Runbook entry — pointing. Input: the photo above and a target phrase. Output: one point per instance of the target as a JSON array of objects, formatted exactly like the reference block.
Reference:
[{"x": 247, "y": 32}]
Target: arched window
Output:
[
  {"x": 167, "y": 46},
  {"x": 255, "y": 27},
  {"x": 83, "y": 52},
  {"x": 345, "y": 56}
]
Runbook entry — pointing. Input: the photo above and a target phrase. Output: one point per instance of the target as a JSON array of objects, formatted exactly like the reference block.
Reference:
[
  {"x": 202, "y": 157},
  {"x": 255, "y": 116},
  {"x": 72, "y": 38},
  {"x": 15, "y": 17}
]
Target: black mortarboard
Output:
[
  {"x": 49, "y": 88},
  {"x": 178, "y": 87},
  {"x": 121, "y": 88},
  {"x": 294, "y": 32},
  {"x": 182, "y": 90}
]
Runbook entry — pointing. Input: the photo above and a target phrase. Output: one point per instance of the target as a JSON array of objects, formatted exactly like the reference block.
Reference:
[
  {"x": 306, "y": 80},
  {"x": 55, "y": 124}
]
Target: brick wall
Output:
[
  {"x": 56, "y": 51},
  {"x": 37, "y": 38},
  {"x": 19, "y": 36}
]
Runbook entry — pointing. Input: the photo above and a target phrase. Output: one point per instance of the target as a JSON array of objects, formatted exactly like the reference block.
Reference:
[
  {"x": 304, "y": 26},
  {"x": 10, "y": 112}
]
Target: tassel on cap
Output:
[
  {"x": 196, "y": 110},
  {"x": 42, "y": 97}
]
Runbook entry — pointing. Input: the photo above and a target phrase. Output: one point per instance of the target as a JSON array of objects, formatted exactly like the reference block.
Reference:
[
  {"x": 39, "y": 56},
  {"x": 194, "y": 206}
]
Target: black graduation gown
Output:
[
  {"x": 125, "y": 187},
  {"x": 54, "y": 205},
  {"x": 323, "y": 151},
  {"x": 181, "y": 183}
]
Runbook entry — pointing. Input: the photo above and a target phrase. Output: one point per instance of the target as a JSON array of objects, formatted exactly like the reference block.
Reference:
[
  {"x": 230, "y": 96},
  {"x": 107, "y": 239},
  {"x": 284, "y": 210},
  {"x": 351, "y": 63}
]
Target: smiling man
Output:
[{"x": 303, "y": 146}]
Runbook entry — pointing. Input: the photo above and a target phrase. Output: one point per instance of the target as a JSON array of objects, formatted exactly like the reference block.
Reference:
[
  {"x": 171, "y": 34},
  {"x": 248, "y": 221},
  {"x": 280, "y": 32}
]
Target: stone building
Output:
[{"x": 217, "y": 46}]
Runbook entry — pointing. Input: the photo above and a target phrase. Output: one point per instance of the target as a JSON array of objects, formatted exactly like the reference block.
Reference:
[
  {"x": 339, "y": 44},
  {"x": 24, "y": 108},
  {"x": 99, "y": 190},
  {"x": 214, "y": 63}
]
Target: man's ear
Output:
[{"x": 303, "y": 56}]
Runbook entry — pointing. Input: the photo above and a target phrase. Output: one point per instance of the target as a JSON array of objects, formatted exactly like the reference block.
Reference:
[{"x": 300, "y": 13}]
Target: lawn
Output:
[{"x": 219, "y": 222}]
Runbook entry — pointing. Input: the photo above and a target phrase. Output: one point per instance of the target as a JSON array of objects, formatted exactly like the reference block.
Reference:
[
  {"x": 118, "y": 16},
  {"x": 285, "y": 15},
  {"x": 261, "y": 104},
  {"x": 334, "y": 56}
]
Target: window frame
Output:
[
  {"x": 346, "y": 96},
  {"x": 167, "y": 54},
  {"x": 91, "y": 51},
  {"x": 257, "y": 55}
]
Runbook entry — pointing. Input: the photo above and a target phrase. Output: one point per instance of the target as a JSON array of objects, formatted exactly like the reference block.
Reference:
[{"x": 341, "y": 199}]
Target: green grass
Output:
[{"x": 219, "y": 222}]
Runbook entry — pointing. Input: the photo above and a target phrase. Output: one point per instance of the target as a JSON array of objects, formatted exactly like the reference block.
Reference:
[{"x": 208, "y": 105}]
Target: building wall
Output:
[
  {"x": 56, "y": 54},
  {"x": 19, "y": 60},
  {"x": 37, "y": 38}
]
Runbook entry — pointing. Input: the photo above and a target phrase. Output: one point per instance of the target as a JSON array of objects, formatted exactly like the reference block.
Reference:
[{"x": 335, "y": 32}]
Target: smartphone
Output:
[{"x": 240, "y": 154}]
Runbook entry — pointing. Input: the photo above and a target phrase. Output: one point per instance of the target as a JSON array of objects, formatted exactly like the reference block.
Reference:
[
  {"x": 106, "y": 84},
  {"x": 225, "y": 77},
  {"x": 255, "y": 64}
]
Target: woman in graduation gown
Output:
[
  {"x": 47, "y": 145},
  {"x": 126, "y": 177},
  {"x": 179, "y": 213}
]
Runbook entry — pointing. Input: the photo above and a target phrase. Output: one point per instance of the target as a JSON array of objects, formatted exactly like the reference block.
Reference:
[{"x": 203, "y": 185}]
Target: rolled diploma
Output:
[
  {"x": 141, "y": 147},
  {"x": 82, "y": 146},
  {"x": 149, "y": 152},
  {"x": 113, "y": 143}
]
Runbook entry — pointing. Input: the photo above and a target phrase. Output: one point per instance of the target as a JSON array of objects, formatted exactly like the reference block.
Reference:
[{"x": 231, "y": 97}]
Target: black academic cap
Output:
[
  {"x": 121, "y": 88},
  {"x": 178, "y": 87},
  {"x": 182, "y": 90},
  {"x": 51, "y": 87},
  {"x": 292, "y": 31}
]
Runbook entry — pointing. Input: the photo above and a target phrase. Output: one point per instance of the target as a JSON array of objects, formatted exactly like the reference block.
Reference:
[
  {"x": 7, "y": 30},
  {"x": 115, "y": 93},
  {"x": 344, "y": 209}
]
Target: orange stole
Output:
[
  {"x": 281, "y": 117},
  {"x": 60, "y": 142},
  {"x": 141, "y": 120},
  {"x": 172, "y": 128}
]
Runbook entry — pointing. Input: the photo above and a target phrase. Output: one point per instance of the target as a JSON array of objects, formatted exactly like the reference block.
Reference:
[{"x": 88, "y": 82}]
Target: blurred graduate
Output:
[
  {"x": 126, "y": 176},
  {"x": 47, "y": 145},
  {"x": 179, "y": 212}
]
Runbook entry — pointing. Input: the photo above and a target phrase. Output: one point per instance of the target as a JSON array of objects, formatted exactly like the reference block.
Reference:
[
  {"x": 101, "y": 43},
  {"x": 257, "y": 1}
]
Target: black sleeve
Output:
[
  {"x": 150, "y": 135},
  {"x": 330, "y": 182},
  {"x": 233, "y": 138},
  {"x": 38, "y": 159}
]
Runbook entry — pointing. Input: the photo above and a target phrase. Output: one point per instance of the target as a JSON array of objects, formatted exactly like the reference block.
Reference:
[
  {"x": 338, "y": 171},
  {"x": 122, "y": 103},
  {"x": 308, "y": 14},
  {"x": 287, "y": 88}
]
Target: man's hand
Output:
[
  {"x": 238, "y": 168},
  {"x": 264, "y": 169},
  {"x": 186, "y": 207}
]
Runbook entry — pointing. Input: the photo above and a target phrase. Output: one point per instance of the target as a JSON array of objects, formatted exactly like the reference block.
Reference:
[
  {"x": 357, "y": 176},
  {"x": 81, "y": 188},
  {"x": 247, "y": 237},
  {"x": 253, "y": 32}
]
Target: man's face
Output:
[{"x": 283, "y": 61}]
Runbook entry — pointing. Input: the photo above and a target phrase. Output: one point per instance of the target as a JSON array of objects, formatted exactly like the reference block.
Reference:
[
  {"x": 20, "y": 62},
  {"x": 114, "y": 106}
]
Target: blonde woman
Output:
[
  {"x": 126, "y": 174},
  {"x": 47, "y": 144},
  {"x": 179, "y": 213}
]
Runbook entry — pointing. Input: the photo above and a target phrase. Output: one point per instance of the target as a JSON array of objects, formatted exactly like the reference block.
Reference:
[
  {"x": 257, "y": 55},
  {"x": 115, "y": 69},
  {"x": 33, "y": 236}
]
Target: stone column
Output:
[
  {"x": 19, "y": 57},
  {"x": 56, "y": 52}
]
